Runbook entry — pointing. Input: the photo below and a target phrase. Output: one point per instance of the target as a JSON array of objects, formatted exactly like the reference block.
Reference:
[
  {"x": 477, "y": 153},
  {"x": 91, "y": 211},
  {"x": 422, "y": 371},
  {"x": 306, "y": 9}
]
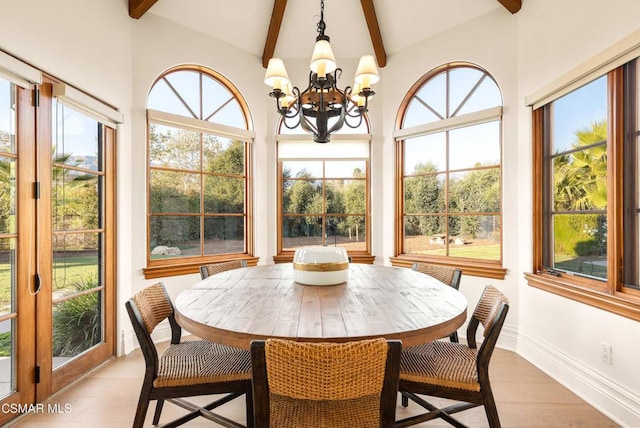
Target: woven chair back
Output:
[
  {"x": 154, "y": 305},
  {"x": 441, "y": 273},
  {"x": 487, "y": 307},
  {"x": 214, "y": 268},
  {"x": 326, "y": 371}
]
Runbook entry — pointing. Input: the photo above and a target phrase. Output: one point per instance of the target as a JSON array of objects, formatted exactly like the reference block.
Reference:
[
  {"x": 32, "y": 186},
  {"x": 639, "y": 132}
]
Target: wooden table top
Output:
[{"x": 261, "y": 302}]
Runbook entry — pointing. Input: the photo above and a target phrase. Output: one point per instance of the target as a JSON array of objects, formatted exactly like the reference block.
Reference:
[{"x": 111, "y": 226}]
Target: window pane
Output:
[
  {"x": 347, "y": 232},
  {"x": 173, "y": 237},
  {"x": 75, "y": 199},
  {"x": 163, "y": 98},
  {"x": 580, "y": 117},
  {"x": 424, "y": 194},
  {"x": 335, "y": 194},
  {"x": 461, "y": 81},
  {"x": 7, "y": 275},
  {"x": 174, "y": 148},
  {"x": 473, "y": 146},
  {"x": 434, "y": 94},
  {"x": 7, "y": 117},
  {"x": 174, "y": 192},
  {"x": 580, "y": 180},
  {"x": 475, "y": 191},
  {"x": 345, "y": 169},
  {"x": 302, "y": 197},
  {"x": 476, "y": 237},
  {"x": 299, "y": 231},
  {"x": 76, "y": 138},
  {"x": 223, "y": 194},
  {"x": 425, "y": 235},
  {"x": 425, "y": 154},
  {"x": 222, "y": 155},
  {"x": 486, "y": 96},
  {"x": 418, "y": 114},
  {"x": 7, "y": 195},
  {"x": 223, "y": 235},
  {"x": 187, "y": 84},
  {"x": 580, "y": 244},
  {"x": 302, "y": 169}
]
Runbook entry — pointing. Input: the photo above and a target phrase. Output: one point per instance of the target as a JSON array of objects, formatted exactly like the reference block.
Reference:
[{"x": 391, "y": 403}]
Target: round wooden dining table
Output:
[{"x": 261, "y": 302}]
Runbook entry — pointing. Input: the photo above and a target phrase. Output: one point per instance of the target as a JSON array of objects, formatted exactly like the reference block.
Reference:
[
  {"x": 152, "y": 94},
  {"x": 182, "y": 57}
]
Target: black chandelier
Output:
[{"x": 322, "y": 100}]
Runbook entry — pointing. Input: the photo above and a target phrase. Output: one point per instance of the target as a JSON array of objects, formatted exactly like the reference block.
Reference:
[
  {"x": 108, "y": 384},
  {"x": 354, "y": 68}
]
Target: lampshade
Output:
[
  {"x": 276, "y": 75},
  {"x": 367, "y": 72},
  {"x": 322, "y": 60}
]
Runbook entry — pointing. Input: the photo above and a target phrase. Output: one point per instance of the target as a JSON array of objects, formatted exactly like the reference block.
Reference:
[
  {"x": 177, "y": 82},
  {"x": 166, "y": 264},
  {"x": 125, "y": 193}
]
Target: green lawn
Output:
[
  {"x": 66, "y": 272},
  {"x": 483, "y": 252}
]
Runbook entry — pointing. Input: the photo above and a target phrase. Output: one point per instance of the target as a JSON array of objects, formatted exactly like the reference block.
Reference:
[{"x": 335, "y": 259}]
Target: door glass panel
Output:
[
  {"x": 7, "y": 117},
  {"x": 77, "y": 323},
  {"x": 77, "y": 192},
  {"x": 8, "y": 238},
  {"x": 7, "y": 357}
]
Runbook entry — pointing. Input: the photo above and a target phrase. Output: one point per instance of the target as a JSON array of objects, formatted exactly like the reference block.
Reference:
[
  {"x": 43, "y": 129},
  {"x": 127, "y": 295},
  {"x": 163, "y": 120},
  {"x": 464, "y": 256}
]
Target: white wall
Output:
[{"x": 559, "y": 335}]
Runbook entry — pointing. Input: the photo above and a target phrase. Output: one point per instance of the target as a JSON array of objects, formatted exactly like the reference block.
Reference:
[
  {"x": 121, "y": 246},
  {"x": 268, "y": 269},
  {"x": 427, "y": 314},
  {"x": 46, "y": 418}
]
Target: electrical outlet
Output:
[{"x": 605, "y": 353}]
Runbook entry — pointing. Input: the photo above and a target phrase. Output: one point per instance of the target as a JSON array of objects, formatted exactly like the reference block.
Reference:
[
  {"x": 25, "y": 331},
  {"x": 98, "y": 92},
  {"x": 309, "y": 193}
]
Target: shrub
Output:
[{"x": 77, "y": 322}]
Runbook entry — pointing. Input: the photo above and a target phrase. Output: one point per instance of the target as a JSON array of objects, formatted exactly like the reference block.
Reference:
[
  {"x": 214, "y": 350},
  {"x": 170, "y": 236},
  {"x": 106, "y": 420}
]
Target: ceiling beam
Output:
[
  {"x": 274, "y": 29},
  {"x": 137, "y": 8},
  {"x": 374, "y": 32},
  {"x": 512, "y": 5}
]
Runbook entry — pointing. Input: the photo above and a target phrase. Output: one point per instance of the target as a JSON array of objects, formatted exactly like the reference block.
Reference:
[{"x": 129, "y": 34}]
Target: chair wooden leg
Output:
[
  {"x": 156, "y": 415},
  {"x": 141, "y": 410},
  {"x": 454, "y": 337},
  {"x": 490, "y": 408},
  {"x": 404, "y": 399},
  {"x": 249, "y": 407}
]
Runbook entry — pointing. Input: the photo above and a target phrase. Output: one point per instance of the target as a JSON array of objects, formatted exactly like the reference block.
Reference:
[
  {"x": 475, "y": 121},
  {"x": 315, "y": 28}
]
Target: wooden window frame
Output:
[
  {"x": 610, "y": 295},
  {"x": 286, "y": 256},
  {"x": 473, "y": 267},
  {"x": 188, "y": 265}
]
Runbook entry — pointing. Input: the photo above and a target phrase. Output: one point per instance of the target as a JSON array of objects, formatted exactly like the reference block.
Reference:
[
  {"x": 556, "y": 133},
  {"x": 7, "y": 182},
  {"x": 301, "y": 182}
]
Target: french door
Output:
[{"x": 57, "y": 243}]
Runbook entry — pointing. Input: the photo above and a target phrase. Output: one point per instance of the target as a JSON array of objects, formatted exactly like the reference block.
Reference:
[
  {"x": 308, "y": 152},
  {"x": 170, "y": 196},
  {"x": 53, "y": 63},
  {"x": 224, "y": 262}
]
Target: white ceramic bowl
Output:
[{"x": 320, "y": 265}]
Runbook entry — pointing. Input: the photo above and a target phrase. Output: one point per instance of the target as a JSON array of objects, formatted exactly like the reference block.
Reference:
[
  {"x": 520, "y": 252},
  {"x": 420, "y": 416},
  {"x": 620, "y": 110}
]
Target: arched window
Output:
[
  {"x": 324, "y": 191},
  {"x": 199, "y": 153},
  {"x": 448, "y": 147}
]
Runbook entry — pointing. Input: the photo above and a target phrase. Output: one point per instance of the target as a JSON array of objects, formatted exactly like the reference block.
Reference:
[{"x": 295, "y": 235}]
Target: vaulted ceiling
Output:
[{"x": 287, "y": 28}]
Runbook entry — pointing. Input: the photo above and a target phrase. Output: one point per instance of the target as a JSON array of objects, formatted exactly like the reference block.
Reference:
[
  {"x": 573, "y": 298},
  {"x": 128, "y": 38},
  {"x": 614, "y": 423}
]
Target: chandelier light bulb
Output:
[{"x": 322, "y": 60}]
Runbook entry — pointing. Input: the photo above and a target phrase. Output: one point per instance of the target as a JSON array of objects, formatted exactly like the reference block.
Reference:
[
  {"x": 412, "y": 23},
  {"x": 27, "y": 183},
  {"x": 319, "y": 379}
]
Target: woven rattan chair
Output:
[
  {"x": 196, "y": 367},
  {"x": 454, "y": 370},
  {"x": 332, "y": 385},
  {"x": 448, "y": 275},
  {"x": 211, "y": 269}
]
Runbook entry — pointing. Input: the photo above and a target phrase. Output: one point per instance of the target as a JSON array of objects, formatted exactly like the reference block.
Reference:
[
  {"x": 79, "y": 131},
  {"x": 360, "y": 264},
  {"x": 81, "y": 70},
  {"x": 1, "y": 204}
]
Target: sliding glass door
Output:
[{"x": 57, "y": 244}]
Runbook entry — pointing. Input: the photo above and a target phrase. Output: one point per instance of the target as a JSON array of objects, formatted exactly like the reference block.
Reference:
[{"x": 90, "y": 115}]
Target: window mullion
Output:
[{"x": 615, "y": 176}]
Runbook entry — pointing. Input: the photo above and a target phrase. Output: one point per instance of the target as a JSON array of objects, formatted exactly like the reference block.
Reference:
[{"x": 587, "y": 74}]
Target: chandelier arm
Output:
[{"x": 355, "y": 125}]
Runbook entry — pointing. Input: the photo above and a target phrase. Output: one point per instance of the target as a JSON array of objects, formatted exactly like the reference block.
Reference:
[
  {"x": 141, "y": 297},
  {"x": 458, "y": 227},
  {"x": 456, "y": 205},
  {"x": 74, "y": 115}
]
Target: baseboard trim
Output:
[{"x": 611, "y": 398}]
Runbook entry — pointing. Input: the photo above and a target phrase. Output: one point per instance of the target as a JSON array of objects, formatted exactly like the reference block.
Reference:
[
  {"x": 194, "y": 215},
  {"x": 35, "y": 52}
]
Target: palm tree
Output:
[{"x": 580, "y": 177}]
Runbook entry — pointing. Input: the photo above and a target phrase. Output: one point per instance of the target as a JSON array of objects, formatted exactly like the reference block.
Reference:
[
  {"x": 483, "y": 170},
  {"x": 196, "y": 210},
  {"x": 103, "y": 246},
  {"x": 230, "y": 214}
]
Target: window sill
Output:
[
  {"x": 355, "y": 258},
  {"x": 486, "y": 270},
  {"x": 618, "y": 303},
  {"x": 189, "y": 267}
]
